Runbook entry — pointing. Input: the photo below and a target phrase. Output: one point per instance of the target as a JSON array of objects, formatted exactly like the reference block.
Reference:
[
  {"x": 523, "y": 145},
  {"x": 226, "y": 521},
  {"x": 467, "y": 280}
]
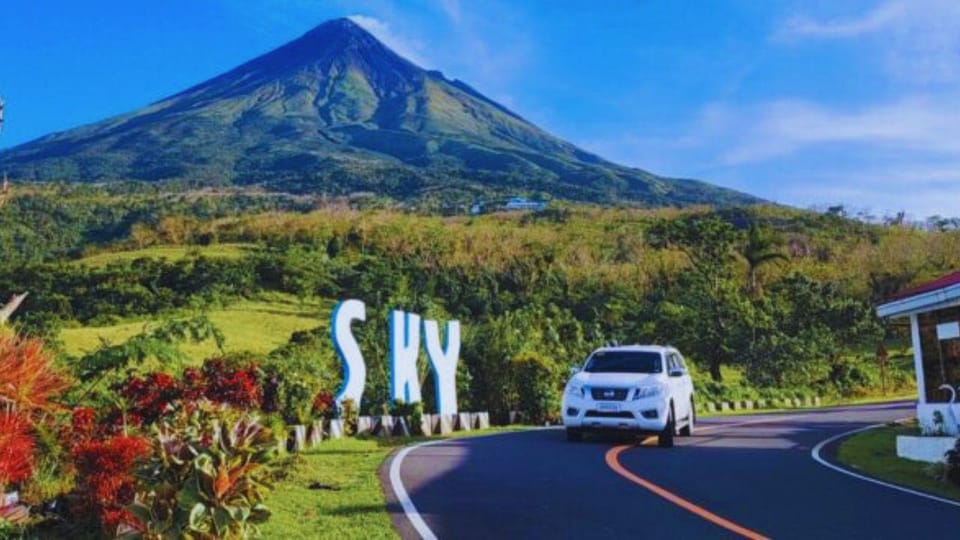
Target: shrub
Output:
[
  {"x": 347, "y": 411},
  {"x": 413, "y": 412},
  {"x": 27, "y": 378},
  {"x": 16, "y": 449},
  {"x": 324, "y": 405},
  {"x": 298, "y": 399},
  {"x": 951, "y": 470},
  {"x": 207, "y": 478},
  {"x": 236, "y": 386},
  {"x": 536, "y": 383},
  {"x": 105, "y": 481},
  {"x": 152, "y": 396}
]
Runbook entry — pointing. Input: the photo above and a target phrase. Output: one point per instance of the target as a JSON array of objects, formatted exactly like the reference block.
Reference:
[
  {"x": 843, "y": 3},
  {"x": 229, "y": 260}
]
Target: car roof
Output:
[{"x": 638, "y": 348}]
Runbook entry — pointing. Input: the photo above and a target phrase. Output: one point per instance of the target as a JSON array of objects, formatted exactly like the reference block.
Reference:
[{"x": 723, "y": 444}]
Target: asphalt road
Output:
[{"x": 754, "y": 472}]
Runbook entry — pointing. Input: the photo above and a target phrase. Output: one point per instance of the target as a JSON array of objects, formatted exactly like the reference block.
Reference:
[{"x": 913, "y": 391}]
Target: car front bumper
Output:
[{"x": 644, "y": 415}]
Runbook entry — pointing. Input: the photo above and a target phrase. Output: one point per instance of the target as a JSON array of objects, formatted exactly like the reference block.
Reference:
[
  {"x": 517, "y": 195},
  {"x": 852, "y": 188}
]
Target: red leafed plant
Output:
[
  {"x": 105, "y": 479},
  {"x": 83, "y": 424},
  {"x": 27, "y": 376},
  {"x": 16, "y": 449},
  {"x": 235, "y": 386},
  {"x": 151, "y": 397}
]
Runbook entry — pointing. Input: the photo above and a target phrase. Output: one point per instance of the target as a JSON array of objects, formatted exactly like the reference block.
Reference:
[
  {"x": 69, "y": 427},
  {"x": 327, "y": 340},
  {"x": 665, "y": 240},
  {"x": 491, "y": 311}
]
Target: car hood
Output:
[{"x": 617, "y": 379}]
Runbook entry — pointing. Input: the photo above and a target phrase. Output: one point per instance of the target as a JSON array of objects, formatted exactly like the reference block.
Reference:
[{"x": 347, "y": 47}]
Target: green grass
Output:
[
  {"x": 353, "y": 503},
  {"x": 874, "y": 453},
  {"x": 248, "y": 325},
  {"x": 173, "y": 253}
]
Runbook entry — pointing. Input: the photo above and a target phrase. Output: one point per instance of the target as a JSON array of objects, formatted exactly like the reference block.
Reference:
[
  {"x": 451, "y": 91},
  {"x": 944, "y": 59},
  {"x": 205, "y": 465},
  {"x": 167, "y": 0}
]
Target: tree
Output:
[
  {"x": 761, "y": 248},
  {"x": 805, "y": 327},
  {"x": 706, "y": 314},
  {"x": 142, "y": 235}
]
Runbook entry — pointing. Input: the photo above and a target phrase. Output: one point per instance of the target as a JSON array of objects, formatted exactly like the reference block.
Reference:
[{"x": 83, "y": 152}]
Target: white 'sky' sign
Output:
[{"x": 404, "y": 349}]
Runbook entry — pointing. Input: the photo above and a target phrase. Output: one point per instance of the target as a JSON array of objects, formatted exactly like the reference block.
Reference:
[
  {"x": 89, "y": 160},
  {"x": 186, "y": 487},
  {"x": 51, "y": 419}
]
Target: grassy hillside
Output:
[
  {"x": 248, "y": 325},
  {"x": 171, "y": 253}
]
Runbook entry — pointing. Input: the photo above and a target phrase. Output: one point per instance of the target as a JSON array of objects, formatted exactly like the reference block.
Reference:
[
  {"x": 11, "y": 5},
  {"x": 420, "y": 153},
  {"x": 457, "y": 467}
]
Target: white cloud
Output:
[
  {"x": 410, "y": 49},
  {"x": 882, "y": 16},
  {"x": 783, "y": 127},
  {"x": 917, "y": 41},
  {"x": 452, "y": 9}
]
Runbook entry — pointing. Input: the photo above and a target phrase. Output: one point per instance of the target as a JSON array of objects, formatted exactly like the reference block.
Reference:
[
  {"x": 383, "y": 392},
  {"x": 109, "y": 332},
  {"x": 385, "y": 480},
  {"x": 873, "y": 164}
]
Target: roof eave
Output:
[{"x": 928, "y": 301}]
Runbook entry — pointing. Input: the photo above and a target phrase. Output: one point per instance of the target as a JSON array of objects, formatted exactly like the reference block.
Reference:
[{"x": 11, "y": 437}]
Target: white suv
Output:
[{"x": 641, "y": 388}]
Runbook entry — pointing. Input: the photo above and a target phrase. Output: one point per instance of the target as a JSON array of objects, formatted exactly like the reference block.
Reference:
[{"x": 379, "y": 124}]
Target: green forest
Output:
[{"x": 766, "y": 301}]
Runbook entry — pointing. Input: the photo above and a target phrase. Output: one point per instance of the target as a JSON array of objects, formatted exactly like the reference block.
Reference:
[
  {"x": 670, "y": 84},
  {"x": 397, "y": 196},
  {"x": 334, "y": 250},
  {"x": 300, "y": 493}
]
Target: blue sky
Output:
[{"x": 808, "y": 102}]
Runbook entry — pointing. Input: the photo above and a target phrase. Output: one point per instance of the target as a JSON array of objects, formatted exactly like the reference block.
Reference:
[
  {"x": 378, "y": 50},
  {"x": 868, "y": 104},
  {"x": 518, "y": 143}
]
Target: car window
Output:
[
  {"x": 672, "y": 363},
  {"x": 624, "y": 362}
]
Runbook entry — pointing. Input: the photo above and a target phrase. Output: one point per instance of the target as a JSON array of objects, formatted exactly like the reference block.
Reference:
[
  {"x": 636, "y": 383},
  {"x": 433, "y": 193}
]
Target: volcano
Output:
[{"x": 338, "y": 112}]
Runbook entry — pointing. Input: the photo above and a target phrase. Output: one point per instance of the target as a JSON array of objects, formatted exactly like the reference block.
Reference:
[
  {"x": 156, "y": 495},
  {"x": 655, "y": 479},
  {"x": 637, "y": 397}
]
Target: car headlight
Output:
[
  {"x": 647, "y": 392},
  {"x": 575, "y": 390}
]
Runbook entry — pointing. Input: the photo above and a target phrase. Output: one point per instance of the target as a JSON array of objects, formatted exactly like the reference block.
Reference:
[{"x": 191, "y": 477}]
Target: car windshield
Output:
[{"x": 624, "y": 362}]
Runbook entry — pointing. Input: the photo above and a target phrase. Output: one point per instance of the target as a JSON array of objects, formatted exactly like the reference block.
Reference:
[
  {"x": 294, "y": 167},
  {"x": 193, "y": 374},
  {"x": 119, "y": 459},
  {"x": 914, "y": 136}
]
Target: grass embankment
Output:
[
  {"x": 257, "y": 326},
  {"x": 171, "y": 253},
  {"x": 874, "y": 453},
  {"x": 346, "y": 499}
]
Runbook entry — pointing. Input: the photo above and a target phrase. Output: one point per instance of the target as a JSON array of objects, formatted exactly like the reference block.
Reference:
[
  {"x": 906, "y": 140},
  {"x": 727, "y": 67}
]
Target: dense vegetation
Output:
[{"x": 765, "y": 301}]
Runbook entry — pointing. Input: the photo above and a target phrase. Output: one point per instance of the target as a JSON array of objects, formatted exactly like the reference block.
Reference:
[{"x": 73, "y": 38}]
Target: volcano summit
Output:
[{"x": 336, "y": 112}]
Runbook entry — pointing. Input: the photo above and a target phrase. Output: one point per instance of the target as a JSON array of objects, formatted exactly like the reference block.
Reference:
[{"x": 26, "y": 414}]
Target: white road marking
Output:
[
  {"x": 815, "y": 454},
  {"x": 404, "y": 498},
  {"x": 400, "y": 492}
]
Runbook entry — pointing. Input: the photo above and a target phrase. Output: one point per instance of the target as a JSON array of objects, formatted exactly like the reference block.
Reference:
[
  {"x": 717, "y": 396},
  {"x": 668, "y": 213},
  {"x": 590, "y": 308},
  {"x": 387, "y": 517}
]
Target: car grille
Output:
[
  {"x": 609, "y": 394},
  {"x": 603, "y": 414}
]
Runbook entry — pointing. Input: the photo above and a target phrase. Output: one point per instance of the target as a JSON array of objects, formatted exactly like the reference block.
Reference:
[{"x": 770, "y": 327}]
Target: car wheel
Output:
[
  {"x": 687, "y": 430},
  {"x": 665, "y": 439},
  {"x": 574, "y": 435}
]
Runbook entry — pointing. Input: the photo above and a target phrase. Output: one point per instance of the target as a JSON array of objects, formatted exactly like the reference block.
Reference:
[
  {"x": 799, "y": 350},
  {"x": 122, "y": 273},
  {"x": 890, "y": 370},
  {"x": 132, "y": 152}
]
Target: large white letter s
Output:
[{"x": 354, "y": 369}]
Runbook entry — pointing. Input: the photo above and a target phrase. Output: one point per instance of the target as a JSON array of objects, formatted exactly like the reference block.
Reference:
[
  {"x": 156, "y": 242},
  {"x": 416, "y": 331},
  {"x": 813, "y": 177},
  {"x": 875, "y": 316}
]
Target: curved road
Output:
[{"x": 755, "y": 473}]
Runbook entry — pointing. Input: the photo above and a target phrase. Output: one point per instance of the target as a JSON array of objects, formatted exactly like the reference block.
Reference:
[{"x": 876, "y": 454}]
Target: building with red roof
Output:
[{"x": 934, "y": 312}]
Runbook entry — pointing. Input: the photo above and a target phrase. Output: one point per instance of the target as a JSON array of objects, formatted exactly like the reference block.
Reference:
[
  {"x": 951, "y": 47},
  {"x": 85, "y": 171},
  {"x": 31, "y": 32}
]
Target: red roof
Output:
[{"x": 939, "y": 283}]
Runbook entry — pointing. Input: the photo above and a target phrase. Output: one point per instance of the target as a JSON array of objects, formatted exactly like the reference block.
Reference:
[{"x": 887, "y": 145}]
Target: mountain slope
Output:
[{"x": 336, "y": 111}]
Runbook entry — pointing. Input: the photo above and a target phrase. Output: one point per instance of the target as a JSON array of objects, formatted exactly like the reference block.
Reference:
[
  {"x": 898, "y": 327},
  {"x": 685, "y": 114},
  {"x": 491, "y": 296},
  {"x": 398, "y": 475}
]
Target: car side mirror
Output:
[
  {"x": 574, "y": 370},
  {"x": 676, "y": 373}
]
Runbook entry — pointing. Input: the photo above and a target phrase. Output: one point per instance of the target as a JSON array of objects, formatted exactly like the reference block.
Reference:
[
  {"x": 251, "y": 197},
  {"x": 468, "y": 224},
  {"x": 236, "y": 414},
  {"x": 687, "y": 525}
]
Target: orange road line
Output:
[{"x": 613, "y": 461}]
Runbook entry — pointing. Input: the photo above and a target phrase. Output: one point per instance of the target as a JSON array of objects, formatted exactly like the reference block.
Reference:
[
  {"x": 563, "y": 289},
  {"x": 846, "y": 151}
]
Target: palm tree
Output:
[{"x": 761, "y": 248}]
